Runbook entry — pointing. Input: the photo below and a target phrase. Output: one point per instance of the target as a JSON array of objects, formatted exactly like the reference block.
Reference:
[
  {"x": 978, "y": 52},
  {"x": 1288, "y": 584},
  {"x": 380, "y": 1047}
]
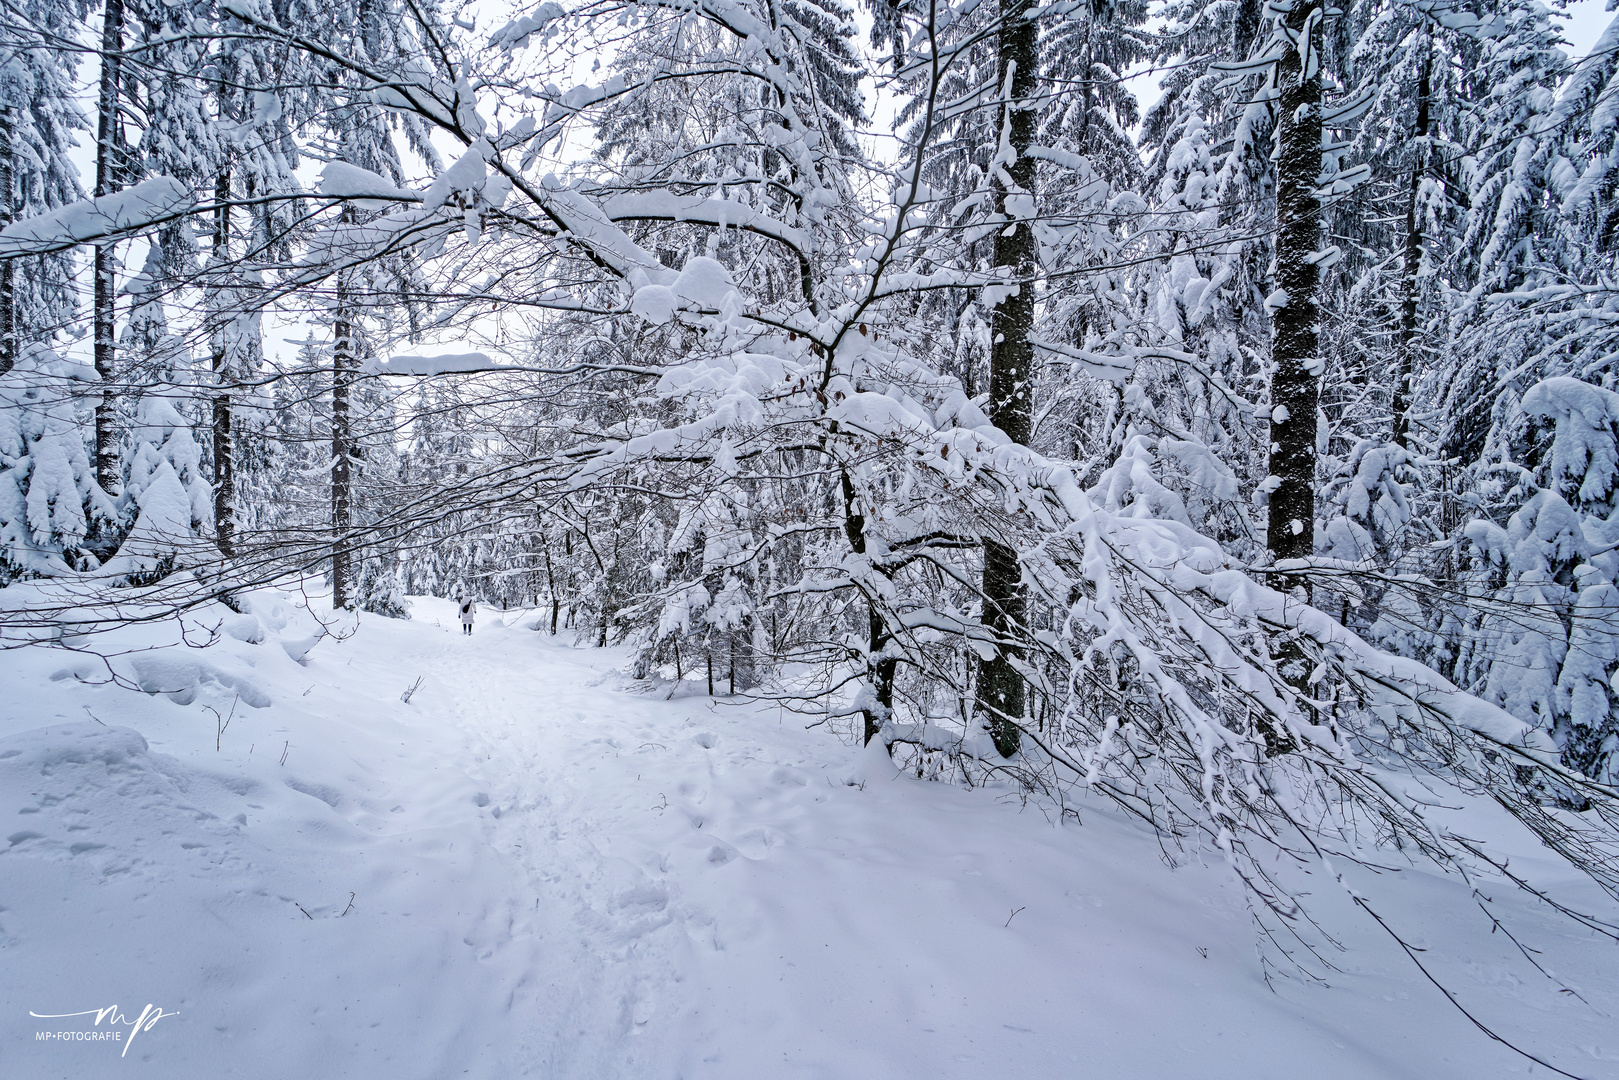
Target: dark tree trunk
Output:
[
  {"x": 224, "y": 377},
  {"x": 1400, "y": 407},
  {"x": 879, "y": 668},
  {"x": 550, "y": 583},
  {"x": 1011, "y": 366},
  {"x": 567, "y": 551},
  {"x": 1295, "y": 341},
  {"x": 109, "y": 169},
  {"x": 344, "y": 368},
  {"x": 8, "y": 275},
  {"x": 883, "y": 669},
  {"x": 1295, "y": 333}
]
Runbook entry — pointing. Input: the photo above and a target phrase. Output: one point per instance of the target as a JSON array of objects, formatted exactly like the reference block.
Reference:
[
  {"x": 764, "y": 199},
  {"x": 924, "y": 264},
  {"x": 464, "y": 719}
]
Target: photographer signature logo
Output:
[{"x": 115, "y": 1019}]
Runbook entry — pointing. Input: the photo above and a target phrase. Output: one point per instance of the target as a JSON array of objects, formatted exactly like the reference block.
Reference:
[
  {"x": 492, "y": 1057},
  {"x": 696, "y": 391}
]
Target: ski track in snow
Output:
[{"x": 561, "y": 874}]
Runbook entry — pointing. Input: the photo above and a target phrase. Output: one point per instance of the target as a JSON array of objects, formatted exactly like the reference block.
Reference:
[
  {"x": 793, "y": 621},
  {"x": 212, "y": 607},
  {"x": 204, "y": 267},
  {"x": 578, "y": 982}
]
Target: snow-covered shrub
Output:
[
  {"x": 49, "y": 499},
  {"x": 380, "y": 589},
  {"x": 165, "y": 496},
  {"x": 704, "y": 602},
  {"x": 1545, "y": 642}
]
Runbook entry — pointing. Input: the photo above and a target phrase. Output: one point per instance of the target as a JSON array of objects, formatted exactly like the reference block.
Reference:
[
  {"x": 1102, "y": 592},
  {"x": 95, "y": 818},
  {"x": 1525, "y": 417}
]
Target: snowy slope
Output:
[{"x": 558, "y": 873}]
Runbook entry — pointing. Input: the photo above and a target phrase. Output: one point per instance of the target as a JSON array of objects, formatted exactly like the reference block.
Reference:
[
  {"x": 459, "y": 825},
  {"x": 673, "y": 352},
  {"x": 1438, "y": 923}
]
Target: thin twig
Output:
[{"x": 1411, "y": 951}]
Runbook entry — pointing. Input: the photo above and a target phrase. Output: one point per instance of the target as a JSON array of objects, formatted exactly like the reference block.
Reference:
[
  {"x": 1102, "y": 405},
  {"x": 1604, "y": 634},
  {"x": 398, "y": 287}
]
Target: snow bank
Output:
[
  {"x": 292, "y": 903},
  {"x": 535, "y": 868}
]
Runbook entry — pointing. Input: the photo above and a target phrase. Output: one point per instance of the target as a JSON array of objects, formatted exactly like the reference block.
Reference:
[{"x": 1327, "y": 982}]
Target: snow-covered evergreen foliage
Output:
[
  {"x": 1547, "y": 645},
  {"x": 165, "y": 496},
  {"x": 44, "y": 121},
  {"x": 49, "y": 498}
]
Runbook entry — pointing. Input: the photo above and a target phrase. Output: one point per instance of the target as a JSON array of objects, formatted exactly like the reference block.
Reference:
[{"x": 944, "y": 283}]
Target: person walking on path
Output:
[{"x": 467, "y": 607}]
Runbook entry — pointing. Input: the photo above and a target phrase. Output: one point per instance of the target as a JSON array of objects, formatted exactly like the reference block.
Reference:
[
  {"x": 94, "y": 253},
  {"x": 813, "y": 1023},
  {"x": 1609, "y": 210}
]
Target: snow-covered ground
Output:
[{"x": 536, "y": 867}]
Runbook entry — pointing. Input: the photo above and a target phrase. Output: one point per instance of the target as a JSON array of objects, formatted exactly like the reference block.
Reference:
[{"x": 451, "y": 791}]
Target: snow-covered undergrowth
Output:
[{"x": 537, "y": 866}]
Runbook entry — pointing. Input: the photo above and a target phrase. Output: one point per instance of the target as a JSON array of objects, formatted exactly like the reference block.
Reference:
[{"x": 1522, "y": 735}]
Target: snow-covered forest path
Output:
[
  {"x": 537, "y": 867},
  {"x": 720, "y": 892}
]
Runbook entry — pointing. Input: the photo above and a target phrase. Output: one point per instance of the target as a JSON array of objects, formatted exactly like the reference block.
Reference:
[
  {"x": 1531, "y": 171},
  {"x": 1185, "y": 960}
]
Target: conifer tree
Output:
[
  {"x": 50, "y": 501},
  {"x": 37, "y": 80},
  {"x": 112, "y": 171},
  {"x": 1011, "y": 359},
  {"x": 1296, "y": 361},
  {"x": 165, "y": 496}
]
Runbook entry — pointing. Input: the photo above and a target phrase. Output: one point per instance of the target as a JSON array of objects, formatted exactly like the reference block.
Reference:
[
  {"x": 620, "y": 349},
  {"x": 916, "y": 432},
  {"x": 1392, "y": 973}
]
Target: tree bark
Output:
[
  {"x": 8, "y": 275},
  {"x": 551, "y": 584},
  {"x": 1400, "y": 407},
  {"x": 224, "y": 437},
  {"x": 109, "y": 169},
  {"x": 880, "y": 668},
  {"x": 345, "y": 366},
  {"x": 1295, "y": 340},
  {"x": 1295, "y": 332},
  {"x": 1000, "y": 691}
]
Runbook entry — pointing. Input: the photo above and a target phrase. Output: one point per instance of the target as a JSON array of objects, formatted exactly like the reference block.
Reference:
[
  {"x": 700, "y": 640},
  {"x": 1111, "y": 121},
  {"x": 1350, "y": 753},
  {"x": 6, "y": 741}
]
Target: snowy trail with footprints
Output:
[
  {"x": 723, "y": 893},
  {"x": 559, "y": 873}
]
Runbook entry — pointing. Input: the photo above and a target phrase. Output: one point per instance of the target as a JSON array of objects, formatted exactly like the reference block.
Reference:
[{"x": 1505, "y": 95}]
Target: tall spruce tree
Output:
[
  {"x": 1001, "y": 691},
  {"x": 1296, "y": 361},
  {"x": 112, "y": 172}
]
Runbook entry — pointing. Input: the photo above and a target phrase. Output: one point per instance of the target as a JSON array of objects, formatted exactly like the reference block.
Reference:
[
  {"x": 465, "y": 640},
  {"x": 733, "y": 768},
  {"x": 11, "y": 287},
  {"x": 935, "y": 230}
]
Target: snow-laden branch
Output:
[{"x": 102, "y": 219}]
